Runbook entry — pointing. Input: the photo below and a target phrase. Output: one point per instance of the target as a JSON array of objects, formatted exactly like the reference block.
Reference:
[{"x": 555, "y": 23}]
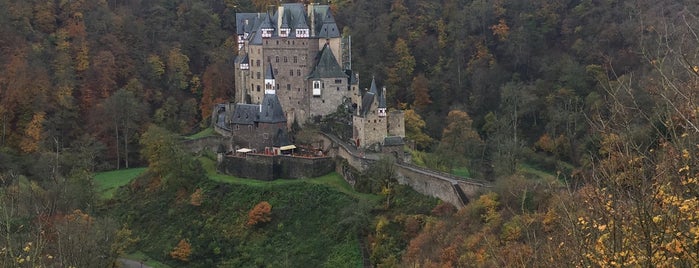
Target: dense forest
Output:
[{"x": 583, "y": 113}]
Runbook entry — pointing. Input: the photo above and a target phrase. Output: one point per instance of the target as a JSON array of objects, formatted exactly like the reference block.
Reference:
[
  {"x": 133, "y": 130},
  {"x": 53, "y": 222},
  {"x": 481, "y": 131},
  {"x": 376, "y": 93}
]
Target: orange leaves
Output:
[
  {"x": 501, "y": 30},
  {"x": 261, "y": 213},
  {"x": 182, "y": 251}
]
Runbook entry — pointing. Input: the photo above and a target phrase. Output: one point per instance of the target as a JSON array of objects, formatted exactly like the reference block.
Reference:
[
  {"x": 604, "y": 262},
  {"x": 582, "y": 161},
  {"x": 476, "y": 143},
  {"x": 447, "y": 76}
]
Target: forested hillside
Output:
[{"x": 582, "y": 112}]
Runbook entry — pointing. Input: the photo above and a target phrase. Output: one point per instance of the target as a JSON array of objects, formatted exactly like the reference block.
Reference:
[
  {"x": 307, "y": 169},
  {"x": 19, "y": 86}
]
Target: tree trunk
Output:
[
  {"x": 116, "y": 133},
  {"x": 126, "y": 144}
]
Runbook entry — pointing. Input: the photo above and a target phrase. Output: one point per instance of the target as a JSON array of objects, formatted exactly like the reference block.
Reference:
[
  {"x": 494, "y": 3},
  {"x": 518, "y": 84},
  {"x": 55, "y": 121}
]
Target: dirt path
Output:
[{"x": 126, "y": 263}]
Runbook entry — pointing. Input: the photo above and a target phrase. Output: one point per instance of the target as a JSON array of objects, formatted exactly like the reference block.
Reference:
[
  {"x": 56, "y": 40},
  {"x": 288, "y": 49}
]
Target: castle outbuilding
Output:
[
  {"x": 373, "y": 127},
  {"x": 260, "y": 127}
]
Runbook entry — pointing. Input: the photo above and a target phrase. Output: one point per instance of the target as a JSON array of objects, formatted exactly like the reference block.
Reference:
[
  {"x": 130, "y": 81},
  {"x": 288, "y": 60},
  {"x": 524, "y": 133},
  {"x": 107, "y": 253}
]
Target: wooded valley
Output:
[{"x": 583, "y": 114}]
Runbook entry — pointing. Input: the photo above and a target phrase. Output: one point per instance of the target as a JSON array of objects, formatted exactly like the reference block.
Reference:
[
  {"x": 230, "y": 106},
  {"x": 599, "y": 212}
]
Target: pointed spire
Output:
[
  {"x": 269, "y": 73},
  {"x": 382, "y": 98},
  {"x": 373, "y": 89}
]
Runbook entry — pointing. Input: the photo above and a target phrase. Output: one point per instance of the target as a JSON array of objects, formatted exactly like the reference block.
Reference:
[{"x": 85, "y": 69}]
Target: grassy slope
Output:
[
  {"x": 107, "y": 182},
  {"x": 306, "y": 227}
]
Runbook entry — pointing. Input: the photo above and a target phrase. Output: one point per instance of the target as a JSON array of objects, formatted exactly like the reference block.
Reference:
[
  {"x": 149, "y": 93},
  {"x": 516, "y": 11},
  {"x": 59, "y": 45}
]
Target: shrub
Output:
[{"x": 262, "y": 212}]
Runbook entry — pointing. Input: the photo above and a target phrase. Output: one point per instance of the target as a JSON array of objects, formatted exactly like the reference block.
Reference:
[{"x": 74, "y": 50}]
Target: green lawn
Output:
[
  {"x": 461, "y": 172},
  {"x": 108, "y": 181},
  {"x": 201, "y": 134},
  {"x": 534, "y": 172}
]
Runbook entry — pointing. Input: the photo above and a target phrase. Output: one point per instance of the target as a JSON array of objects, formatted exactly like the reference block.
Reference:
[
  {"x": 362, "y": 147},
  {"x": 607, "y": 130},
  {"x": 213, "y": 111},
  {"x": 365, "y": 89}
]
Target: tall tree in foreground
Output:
[{"x": 641, "y": 207}]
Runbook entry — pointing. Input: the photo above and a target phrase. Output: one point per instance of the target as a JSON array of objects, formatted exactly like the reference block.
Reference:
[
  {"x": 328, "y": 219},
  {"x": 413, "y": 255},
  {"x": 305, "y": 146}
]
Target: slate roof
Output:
[
  {"x": 325, "y": 25},
  {"x": 245, "y": 114},
  {"x": 281, "y": 138},
  {"x": 393, "y": 141},
  {"x": 241, "y": 26},
  {"x": 300, "y": 18},
  {"x": 352, "y": 76},
  {"x": 271, "y": 110},
  {"x": 269, "y": 72},
  {"x": 326, "y": 65},
  {"x": 382, "y": 98},
  {"x": 369, "y": 97},
  {"x": 293, "y": 16},
  {"x": 266, "y": 22},
  {"x": 367, "y": 101},
  {"x": 255, "y": 38},
  {"x": 242, "y": 59}
]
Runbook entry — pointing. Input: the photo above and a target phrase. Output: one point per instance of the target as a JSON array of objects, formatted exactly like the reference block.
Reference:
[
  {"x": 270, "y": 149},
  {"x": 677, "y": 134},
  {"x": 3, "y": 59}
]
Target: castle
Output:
[{"x": 292, "y": 67}]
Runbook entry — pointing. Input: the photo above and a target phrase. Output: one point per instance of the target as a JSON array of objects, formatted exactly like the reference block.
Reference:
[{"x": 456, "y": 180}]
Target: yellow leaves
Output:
[
  {"x": 657, "y": 219},
  {"x": 602, "y": 227},
  {"x": 156, "y": 65},
  {"x": 196, "y": 198},
  {"x": 82, "y": 59},
  {"x": 32, "y": 133},
  {"x": 683, "y": 169}
]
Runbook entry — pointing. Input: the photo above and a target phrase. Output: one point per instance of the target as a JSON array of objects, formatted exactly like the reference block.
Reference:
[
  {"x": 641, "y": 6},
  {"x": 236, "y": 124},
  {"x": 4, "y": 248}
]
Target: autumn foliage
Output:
[
  {"x": 196, "y": 198},
  {"x": 182, "y": 251},
  {"x": 261, "y": 213}
]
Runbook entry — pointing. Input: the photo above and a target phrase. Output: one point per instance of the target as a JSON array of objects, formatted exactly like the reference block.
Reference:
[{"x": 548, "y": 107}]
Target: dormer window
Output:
[
  {"x": 284, "y": 32},
  {"x": 267, "y": 32},
  {"x": 316, "y": 88},
  {"x": 301, "y": 33}
]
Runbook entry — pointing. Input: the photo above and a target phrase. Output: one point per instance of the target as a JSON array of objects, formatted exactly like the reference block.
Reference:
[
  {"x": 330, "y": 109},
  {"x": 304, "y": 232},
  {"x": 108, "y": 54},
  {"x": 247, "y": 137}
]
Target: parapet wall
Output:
[
  {"x": 428, "y": 185},
  {"x": 271, "y": 167}
]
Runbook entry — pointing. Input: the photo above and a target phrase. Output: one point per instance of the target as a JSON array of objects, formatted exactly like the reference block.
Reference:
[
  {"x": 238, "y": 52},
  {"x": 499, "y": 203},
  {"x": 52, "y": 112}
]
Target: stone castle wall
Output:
[
  {"x": 396, "y": 123},
  {"x": 331, "y": 95},
  {"x": 271, "y": 167}
]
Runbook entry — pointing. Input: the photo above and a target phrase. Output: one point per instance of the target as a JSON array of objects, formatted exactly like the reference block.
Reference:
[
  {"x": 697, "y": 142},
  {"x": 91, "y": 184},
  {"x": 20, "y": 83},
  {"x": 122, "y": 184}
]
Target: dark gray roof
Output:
[
  {"x": 352, "y": 77},
  {"x": 269, "y": 72},
  {"x": 255, "y": 38},
  {"x": 281, "y": 138},
  {"x": 300, "y": 20},
  {"x": 326, "y": 65},
  {"x": 325, "y": 22},
  {"x": 367, "y": 101},
  {"x": 293, "y": 16},
  {"x": 245, "y": 114},
  {"x": 285, "y": 20},
  {"x": 244, "y": 59},
  {"x": 372, "y": 88},
  {"x": 241, "y": 18},
  {"x": 393, "y": 141},
  {"x": 271, "y": 110},
  {"x": 382, "y": 98},
  {"x": 267, "y": 22}
]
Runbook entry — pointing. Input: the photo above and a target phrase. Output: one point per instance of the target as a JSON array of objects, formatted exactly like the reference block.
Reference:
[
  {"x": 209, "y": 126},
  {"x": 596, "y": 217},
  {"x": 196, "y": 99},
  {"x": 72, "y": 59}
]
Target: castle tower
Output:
[
  {"x": 381, "y": 107},
  {"x": 270, "y": 84}
]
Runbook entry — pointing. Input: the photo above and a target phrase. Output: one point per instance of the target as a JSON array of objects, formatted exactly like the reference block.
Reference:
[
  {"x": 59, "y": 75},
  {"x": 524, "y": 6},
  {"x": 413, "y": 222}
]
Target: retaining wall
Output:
[{"x": 271, "y": 167}]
